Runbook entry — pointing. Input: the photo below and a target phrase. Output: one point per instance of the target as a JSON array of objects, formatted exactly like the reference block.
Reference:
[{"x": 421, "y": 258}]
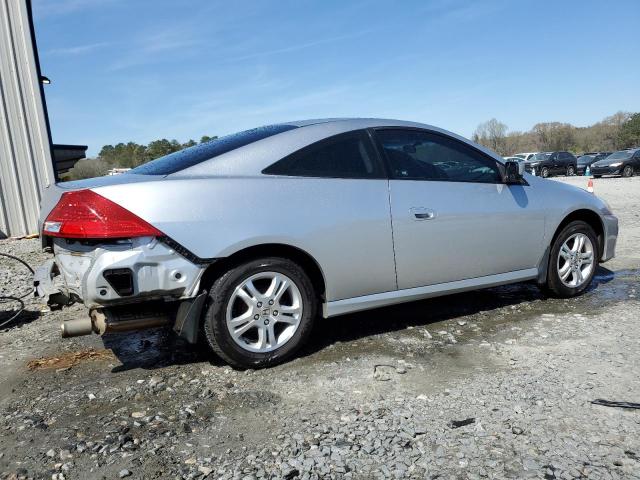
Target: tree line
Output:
[
  {"x": 127, "y": 155},
  {"x": 616, "y": 132}
]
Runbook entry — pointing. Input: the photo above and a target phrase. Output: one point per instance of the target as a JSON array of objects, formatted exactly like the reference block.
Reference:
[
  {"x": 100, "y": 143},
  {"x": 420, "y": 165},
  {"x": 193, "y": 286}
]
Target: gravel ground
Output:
[{"x": 495, "y": 383}]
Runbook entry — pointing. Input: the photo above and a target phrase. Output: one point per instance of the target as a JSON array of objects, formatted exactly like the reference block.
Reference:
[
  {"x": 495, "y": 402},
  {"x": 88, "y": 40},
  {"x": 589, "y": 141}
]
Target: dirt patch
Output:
[{"x": 70, "y": 359}]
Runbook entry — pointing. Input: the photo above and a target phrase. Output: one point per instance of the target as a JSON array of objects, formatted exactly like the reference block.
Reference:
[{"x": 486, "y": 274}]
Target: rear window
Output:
[{"x": 174, "y": 162}]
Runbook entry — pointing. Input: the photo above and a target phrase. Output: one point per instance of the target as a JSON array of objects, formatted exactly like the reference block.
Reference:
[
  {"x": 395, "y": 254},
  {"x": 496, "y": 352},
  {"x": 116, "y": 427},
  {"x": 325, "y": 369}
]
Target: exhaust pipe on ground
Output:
[
  {"x": 76, "y": 327},
  {"x": 116, "y": 319}
]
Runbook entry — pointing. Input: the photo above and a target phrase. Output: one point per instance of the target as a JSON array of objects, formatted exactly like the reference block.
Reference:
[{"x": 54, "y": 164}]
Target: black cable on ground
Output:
[
  {"x": 9, "y": 298},
  {"x": 614, "y": 403},
  {"x": 4, "y": 299}
]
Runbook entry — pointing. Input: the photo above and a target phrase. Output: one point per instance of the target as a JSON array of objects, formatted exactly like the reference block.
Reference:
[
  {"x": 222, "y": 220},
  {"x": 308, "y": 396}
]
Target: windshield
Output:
[
  {"x": 540, "y": 156},
  {"x": 585, "y": 159},
  {"x": 174, "y": 162},
  {"x": 519, "y": 155},
  {"x": 623, "y": 155}
]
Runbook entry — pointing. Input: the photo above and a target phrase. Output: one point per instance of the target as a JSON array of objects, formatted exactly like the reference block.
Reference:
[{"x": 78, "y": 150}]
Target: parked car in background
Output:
[
  {"x": 246, "y": 240},
  {"x": 525, "y": 155},
  {"x": 513, "y": 159},
  {"x": 624, "y": 163},
  {"x": 546, "y": 164},
  {"x": 588, "y": 159}
]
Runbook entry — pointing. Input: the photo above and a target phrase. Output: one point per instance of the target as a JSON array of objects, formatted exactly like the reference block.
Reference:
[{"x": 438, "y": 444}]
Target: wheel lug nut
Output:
[
  {"x": 266, "y": 322},
  {"x": 275, "y": 313},
  {"x": 259, "y": 304},
  {"x": 270, "y": 302},
  {"x": 256, "y": 316}
]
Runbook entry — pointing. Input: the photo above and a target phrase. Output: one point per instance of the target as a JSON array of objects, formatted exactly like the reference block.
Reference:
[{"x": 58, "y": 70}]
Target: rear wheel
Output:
[
  {"x": 260, "y": 313},
  {"x": 571, "y": 170},
  {"x": 627, "y": 171},
  {"x": 573, "y": 260}
]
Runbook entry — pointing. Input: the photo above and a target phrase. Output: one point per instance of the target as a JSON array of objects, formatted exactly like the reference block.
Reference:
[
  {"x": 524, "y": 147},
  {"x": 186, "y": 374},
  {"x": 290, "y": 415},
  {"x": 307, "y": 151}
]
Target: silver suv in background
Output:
[{"x": 249, "y": 238}]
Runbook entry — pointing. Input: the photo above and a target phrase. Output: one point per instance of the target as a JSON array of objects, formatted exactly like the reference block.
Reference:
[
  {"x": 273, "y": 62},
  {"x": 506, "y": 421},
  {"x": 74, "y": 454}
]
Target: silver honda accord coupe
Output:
[{"x": 247, "y": 240}]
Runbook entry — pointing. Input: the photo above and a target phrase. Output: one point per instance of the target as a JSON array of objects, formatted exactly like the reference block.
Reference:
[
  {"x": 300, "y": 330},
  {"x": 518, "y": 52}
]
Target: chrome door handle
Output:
[{"x": 421, "y": 213}]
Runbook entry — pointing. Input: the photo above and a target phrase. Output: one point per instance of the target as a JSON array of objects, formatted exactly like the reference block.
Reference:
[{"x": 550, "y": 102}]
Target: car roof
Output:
[{"x": 251, "y": 159}]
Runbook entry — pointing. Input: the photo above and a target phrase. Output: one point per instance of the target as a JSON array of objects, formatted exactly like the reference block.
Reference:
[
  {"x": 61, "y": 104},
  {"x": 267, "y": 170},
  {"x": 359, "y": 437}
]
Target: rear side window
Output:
[
  {"x": 191, "y": 156},
  {"x": 420, "y": 155},
  {"x": 348, "y": 155}
]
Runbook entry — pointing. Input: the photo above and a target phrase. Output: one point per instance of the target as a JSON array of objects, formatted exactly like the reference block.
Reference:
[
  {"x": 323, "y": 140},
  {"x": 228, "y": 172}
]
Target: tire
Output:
[
  {"x": 544, "y": 172},
  {"x": 627, "y": 171},
  {"x": 225, "y": 303},
  {"x": 571, "y": 171},
  {"x": 555, "y": 284}
]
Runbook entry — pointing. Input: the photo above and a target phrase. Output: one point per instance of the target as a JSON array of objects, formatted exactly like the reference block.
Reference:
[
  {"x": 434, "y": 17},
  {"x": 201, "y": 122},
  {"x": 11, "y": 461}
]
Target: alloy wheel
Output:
[
  {"x": 264, "y": 312},
  {"x": 628, "y": 171},
  {"x": 575, "y": 260}
]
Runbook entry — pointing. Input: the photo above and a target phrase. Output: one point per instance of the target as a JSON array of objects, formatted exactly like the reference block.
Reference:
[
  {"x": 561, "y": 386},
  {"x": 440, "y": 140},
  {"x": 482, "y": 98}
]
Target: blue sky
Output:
[{"x": 140, "y": 70}]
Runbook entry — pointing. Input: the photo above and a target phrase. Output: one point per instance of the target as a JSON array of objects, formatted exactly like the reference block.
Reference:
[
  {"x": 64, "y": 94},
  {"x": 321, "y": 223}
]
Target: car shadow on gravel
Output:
[
  {"x": 154, "y": 349},
  {"x": 160, "y": 348},
  {"x": 390, "y": 319}
]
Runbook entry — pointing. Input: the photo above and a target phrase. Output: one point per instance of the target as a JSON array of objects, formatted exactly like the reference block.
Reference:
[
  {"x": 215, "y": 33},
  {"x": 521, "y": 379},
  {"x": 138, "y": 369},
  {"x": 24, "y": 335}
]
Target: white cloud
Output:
[
  {"x": 46, "y": 8},
  {"x": 78, "y": 49}
]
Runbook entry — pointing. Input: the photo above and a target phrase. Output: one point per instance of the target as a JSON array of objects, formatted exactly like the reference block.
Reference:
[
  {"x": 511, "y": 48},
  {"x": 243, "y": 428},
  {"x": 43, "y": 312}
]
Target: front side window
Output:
[
  {"x": 419, "y": 155},
  {"x": 348, "y": 155}
]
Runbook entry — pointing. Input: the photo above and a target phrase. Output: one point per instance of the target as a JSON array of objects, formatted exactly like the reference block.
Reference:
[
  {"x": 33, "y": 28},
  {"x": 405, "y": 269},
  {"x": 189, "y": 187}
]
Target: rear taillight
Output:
[{"x": 85, "y": 214}]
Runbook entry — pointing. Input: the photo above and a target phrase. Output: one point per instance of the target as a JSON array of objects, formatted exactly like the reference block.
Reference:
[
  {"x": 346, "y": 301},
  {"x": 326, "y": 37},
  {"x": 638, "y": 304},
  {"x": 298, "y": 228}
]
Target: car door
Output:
[
  {"x": 554, "y": 162},
  {"x": 453, "y": 218}
]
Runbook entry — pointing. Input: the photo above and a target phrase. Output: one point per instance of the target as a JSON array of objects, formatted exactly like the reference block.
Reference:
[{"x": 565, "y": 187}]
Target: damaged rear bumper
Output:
[{"x": 126, "y": 284}]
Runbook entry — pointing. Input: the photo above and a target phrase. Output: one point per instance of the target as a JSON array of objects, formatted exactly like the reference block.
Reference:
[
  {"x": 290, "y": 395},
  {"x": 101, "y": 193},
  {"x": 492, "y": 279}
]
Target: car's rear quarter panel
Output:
[{"x": 343, "y": 224}]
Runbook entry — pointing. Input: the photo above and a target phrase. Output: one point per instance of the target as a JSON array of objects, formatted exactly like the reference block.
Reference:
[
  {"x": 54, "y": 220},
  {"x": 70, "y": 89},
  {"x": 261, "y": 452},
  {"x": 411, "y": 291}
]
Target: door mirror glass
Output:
[{"x": 513, "y": 172}]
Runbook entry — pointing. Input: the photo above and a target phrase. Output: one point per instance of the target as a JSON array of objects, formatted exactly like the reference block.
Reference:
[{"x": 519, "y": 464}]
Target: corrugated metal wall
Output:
[{"x": 25, "y": 147}]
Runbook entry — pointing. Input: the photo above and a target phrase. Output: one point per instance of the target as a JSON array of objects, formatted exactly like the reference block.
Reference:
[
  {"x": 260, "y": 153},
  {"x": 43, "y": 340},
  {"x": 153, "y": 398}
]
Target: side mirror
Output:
[{"x": 513, "y": 172}]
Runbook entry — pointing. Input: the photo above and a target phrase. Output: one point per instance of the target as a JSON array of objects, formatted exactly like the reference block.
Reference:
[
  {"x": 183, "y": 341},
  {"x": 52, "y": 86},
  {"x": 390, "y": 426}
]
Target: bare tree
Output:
[
  {"x": 554, "y": 136},
  {"x": 491, "y": 134},
  {"x": 89, "y": 168}
]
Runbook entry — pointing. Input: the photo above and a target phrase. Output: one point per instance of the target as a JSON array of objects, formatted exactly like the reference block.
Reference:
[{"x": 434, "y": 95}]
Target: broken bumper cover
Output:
[
  {"x": 115, "y": 273},
  {"x": 116, "y": 278}
]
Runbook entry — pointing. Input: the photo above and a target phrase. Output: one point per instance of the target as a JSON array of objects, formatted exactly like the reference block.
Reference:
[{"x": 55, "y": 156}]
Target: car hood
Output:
[
  {"x": 574, "y": 195},
  {"x": 607, "y": 163}
]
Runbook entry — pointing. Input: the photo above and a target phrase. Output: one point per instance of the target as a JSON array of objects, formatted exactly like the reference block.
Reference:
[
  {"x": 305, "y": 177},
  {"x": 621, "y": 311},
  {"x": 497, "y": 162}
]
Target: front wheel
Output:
[
  {"x": 573, "y": 260},
  {"x": 627, "y": 171},
  {"x": 544, "y": 172},
  {"x": 260, "y": 312}
]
